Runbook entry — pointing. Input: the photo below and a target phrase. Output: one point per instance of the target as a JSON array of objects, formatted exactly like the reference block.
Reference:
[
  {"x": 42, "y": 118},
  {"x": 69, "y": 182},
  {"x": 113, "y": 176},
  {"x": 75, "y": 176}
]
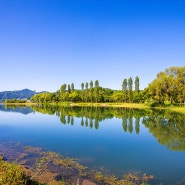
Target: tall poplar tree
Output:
[
  {"x": 62, "y": 91},
  {"x": 96, "y": 90},
  {"x": 72, "y": 87},
  {"x": 86, "y": 91},
  {"x": 137, "y": 84},
  {"x": 125, "y": 90},
  {"x": 69, "y": 88},
  {"x": 91, "y": 90},
  {"x": 82, "y": 85},
  {"x": 130, "y": 92}
]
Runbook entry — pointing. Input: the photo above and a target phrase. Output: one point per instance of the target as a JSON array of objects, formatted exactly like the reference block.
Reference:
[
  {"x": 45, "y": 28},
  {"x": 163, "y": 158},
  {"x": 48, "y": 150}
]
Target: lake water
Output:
[{"x": 118, "y": 139}]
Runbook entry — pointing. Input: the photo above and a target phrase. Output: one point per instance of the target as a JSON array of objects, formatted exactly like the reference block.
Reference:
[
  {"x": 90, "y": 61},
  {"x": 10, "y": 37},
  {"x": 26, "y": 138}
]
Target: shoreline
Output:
[{"x": 116, "y": 105}]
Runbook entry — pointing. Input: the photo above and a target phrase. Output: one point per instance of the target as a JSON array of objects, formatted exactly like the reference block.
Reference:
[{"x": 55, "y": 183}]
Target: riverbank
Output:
[{"x": 116, "y": 105}]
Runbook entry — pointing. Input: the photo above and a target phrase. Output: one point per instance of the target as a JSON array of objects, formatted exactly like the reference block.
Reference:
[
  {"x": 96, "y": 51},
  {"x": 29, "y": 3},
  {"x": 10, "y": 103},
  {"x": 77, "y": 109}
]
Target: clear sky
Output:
[{"x": 45, "y": 43}]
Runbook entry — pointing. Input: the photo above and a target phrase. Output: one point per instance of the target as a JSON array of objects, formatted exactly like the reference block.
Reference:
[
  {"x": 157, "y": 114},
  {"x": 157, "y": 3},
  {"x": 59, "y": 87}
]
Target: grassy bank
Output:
[
  {"x": 178, "y": 109},
  {"x": 118, "y": 105},
  {"x": 128, "y": 105},
  {"x": 123, "y": 105}
]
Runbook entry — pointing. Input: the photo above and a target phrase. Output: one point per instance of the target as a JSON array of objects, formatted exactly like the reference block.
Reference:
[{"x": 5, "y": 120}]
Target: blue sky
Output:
[{"x": 45, "y": 43}]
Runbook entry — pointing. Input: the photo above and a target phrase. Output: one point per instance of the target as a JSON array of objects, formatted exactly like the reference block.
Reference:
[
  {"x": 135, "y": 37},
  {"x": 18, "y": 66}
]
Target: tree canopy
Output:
[{"x": 168, "y": 86}]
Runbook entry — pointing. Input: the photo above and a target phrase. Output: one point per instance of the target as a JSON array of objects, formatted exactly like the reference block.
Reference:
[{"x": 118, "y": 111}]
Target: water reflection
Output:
[
  {"x": 168, "y": 127},
  {"x": 17, "y": 109}
]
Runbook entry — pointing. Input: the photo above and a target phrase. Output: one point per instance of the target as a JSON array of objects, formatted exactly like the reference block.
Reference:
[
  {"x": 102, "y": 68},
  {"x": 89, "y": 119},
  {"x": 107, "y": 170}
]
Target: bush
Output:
[{"x": 11, "y": 174}]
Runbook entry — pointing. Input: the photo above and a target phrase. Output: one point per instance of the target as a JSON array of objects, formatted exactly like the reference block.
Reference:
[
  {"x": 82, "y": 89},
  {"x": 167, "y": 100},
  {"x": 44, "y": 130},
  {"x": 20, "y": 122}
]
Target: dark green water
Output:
[{"x": 119, "y": 140}]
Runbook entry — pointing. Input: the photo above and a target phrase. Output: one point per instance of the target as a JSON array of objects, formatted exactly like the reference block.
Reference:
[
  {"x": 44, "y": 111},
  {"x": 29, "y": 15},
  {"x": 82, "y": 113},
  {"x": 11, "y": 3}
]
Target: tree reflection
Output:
[
  {"x": 91, "y": 123},
  {"x": 23, "y": 109},
  {"x": 137, "y": 126},
  {"x": 82, "y": 121},
  {"x": 168, "y": 127},
  {"x": 72, "y": 120},
  {"x": 86, "y": 122},
  {"x": 124, "y": 124}
]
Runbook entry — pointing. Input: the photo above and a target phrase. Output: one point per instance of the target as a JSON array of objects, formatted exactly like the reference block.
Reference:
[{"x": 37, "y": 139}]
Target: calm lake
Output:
[{"x": 120, "y": 140}]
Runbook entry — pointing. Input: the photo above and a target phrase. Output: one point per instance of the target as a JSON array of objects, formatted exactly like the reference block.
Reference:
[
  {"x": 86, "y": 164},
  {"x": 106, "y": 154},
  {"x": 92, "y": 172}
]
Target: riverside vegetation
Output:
[{"x": 167, "y": 89}]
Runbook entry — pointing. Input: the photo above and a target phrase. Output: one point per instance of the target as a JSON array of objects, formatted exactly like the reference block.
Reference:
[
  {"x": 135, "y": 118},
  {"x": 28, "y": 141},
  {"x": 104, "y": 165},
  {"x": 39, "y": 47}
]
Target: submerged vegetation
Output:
[{"x": 40, "y": 167}]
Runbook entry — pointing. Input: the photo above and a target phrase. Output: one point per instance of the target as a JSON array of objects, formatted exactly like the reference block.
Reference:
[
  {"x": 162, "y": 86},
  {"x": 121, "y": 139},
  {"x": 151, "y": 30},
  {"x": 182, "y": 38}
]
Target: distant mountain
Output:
[{"x": 18, "y": 94}]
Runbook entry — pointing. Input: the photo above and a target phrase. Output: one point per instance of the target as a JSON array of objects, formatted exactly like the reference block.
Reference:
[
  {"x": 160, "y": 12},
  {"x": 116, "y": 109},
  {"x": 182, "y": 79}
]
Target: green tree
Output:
[
  {"x": 96, "y": 90},
  {"x": 82, "y": 94},
  {"x": 72, "y": 87},
  {"x": 57, "y": 96},
  {"x": 117, "y": 96},
  {"x": 74, "y": 97},
  {"x": 125, "y": 90},
  {"x": 66, "y": 96},
  {"x": 69, "y": 88},
  {"x": 169, "y": 86},
  {"x": 62, "y": 91},
  {"x": 181, "y": 85},
  {"x": 86, "y": 91},
  {"x": 130, "y": 93},
  {"x": 137, "y": 84},
  {"x": 91, "y": 90},
  {"x": 157, "y": 89}
]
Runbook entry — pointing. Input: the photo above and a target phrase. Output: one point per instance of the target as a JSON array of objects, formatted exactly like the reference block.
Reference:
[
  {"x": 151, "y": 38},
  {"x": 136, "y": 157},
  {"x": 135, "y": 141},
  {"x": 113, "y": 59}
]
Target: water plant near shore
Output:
[{"x": 52, "y": 168}]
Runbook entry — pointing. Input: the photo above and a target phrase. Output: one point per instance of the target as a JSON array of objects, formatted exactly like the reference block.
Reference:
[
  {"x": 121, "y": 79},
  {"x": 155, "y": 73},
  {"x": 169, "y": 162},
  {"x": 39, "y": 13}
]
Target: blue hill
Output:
[{"x": 17, "y": 94}]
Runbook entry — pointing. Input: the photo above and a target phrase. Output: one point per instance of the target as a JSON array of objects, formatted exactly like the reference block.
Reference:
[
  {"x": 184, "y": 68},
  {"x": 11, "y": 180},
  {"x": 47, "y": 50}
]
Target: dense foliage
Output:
[
  {"x": 167, "y": 88},
  {"x": 92, "y": 92},
  {"x": 15, "y": 101}
]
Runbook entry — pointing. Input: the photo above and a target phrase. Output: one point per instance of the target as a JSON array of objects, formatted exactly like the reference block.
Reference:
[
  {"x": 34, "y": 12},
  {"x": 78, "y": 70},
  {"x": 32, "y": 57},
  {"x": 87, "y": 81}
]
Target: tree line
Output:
[
  {"x": 15, "y": 101},
  {"x": 92, "y": 92},
  {"x": 168, "y": 86}
]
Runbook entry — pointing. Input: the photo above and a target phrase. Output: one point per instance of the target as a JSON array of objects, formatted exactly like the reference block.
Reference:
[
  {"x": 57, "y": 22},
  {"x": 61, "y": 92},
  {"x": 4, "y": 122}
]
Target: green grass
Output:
[
  {"x": 107, "y": 104},
  {"x": 178, "y": 109}
]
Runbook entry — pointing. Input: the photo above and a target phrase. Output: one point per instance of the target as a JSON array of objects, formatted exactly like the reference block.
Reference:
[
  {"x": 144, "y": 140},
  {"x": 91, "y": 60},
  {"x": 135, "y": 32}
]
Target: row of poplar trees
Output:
[
  {"x": 167, "y": 87},
  {"x": 91, "y": 92}
]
